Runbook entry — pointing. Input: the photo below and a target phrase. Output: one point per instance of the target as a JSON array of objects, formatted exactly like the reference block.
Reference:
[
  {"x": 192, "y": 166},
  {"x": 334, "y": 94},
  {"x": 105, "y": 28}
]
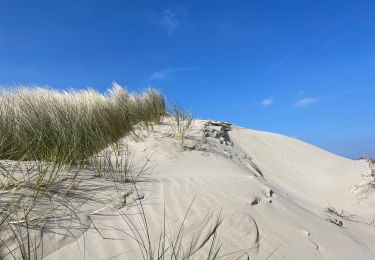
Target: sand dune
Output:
[{"x": 276, "y": 197}]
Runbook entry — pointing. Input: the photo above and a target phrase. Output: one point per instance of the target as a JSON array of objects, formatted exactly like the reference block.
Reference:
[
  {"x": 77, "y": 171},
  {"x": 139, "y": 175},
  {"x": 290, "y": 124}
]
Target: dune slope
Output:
[{"x": 277, "y": 197}]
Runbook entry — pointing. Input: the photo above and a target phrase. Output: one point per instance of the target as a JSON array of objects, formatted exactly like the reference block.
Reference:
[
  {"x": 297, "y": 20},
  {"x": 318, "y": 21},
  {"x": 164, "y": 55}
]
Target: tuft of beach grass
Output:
[{"x": 70, "y": 126}]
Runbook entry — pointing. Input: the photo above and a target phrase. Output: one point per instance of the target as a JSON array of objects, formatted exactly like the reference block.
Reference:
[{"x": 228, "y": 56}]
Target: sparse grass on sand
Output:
[
  {"x": 51, "y": 130},
  {"x": 169, "y": 245},
  {"x": 70, "y": 126},
  {"x": 181, "y": 122},
  {"x": 48, "y": 137}
]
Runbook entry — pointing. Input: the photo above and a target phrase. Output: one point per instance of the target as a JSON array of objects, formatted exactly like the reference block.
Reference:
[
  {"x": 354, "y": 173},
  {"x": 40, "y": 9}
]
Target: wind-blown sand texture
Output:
[{"x": 276, "y": 197}]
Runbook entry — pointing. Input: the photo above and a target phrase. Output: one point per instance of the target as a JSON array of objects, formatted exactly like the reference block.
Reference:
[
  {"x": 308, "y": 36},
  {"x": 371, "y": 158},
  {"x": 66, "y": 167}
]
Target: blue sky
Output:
[{"x": 301, "y": 68}]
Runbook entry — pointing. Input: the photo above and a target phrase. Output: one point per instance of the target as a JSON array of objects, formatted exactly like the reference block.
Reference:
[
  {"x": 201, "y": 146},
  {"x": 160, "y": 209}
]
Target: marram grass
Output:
[{"x": 69, "y": 126}]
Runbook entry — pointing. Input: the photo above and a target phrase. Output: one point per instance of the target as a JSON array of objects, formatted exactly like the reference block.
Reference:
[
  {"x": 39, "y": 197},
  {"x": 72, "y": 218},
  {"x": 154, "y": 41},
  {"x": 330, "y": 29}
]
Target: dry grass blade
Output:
[
  {"x": 36, "y": 204},
  {"x": 169, "y": 245}
]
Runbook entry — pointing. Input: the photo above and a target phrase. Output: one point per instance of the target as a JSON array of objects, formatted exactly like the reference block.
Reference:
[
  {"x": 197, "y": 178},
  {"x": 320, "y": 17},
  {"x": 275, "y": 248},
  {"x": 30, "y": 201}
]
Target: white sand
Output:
[{"x": 280, "y": 215}]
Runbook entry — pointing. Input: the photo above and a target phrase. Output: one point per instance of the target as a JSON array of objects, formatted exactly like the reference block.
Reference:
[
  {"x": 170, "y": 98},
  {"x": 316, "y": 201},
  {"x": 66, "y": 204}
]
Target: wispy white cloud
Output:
[
  {"x": 169, "y": 20},
  {"x": 165, "y": 74},
  {"x": 306, "y": 101},
  {"x": 267, "y": 102}
]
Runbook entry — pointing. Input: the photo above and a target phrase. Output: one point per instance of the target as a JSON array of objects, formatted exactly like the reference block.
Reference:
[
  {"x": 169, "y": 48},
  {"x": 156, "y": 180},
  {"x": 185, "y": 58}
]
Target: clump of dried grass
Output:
[{"x": 181, "y": 122}]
